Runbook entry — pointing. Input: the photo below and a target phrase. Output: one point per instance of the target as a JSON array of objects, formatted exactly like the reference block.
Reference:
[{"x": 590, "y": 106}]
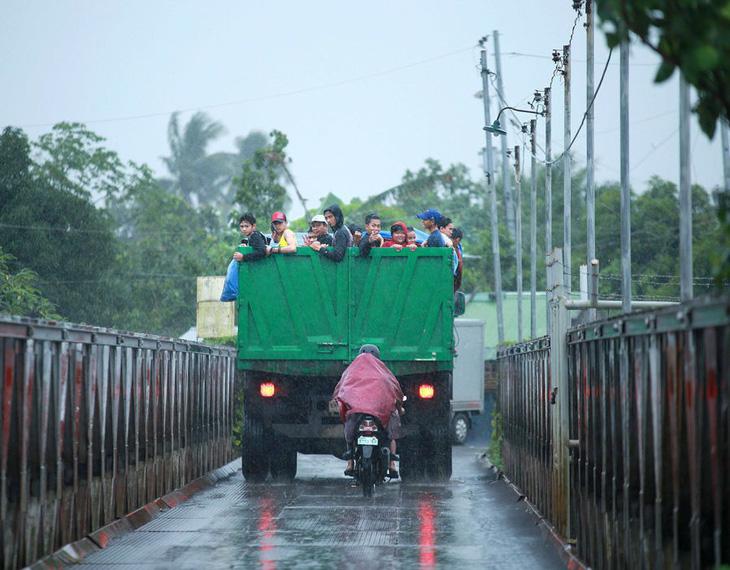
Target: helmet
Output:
[{"x": 370, "y": 349}]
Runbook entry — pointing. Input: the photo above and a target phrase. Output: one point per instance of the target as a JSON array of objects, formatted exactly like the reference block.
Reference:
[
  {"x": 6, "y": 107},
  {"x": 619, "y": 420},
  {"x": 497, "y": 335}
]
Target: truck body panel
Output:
[
  {"x": 468, "y": 379},
  {"x": 302, "y": 320},
  {"x": 302, "y": 314}
]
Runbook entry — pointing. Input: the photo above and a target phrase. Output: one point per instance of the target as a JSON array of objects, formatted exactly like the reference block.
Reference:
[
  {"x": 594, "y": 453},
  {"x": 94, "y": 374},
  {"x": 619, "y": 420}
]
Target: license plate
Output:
[{"x": 367, "y": 440}]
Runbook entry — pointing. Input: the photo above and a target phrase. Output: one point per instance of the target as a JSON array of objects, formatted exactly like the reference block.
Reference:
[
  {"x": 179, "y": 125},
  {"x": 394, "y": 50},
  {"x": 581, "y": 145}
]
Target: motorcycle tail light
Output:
[
  {"x": 267, "y": 389},
  {"x": 368, "y": 425},
  {"x": 425, "y": 391}
]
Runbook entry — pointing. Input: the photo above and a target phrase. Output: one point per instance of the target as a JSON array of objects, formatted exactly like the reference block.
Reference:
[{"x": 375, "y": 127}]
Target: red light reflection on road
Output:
[
  {"x": 267, "y": 532},
  {"x": 426, "y": 533}
]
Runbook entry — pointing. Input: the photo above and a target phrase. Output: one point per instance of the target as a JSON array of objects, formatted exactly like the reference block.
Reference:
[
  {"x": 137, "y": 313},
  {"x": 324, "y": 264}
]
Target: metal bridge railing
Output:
[
  {"x": 646, "y": 427},
  {"x": 97, "y": 423},
  {"x": 524, "y": 371}
]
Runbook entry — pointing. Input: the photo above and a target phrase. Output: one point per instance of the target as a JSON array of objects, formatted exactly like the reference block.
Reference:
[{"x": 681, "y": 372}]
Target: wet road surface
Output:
[{"x": 322, "y": 521}]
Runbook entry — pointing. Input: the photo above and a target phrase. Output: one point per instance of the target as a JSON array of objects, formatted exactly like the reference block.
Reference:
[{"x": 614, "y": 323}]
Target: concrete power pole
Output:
[
  {"x": 506, "y": 178},
  {"x": 590, "y": 170},
  {"x": 725, "y": 153},
  {"x": 625, "y": 183},
  {"x": 567, "y": 182},
  {"x": 548, "y": 187},
  {"x": 518, "y": 229},
  {"x": 548, "y": 174},
  {"x": 685, "y": 194},
  {"x": 493, "y": 201},
  {"x": 533, "y": 231}
]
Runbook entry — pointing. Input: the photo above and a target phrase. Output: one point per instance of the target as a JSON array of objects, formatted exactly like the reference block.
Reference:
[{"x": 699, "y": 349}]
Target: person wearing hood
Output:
[
  {"x": 341, "y": 238},
  {"x": 399, "y": 238}
]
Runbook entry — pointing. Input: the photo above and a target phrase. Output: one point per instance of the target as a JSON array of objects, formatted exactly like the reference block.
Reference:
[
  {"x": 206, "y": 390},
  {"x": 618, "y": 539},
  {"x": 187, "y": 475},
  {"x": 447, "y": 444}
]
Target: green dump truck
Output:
[{"x": 302, "y": 320}]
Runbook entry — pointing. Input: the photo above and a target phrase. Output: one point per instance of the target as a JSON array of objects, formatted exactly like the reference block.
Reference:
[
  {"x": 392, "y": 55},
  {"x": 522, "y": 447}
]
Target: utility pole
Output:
[
  {"x": 625, "y": 184},
  {"x": 493, "y": 200},
  {"x": 590, "y": 172},
  {"x": 518, "y": 229},
  {"x": 548, "y": 175},
  {"x": 506, "y": 178},
  {"x": 567, "y": 188},
  {"x": 548, "y": 189},
  {"x": 685, "y": 194},
  {"x": 725, "y": 153},
  {"x": 533, "y": 232}
]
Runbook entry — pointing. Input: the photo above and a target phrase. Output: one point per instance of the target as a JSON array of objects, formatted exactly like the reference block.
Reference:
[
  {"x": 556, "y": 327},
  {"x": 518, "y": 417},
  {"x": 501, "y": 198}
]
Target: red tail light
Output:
[
  {"x": 425, "y": 391},
  {"x": 368, "y": 425},
  {"x": 267, "y": 389}
]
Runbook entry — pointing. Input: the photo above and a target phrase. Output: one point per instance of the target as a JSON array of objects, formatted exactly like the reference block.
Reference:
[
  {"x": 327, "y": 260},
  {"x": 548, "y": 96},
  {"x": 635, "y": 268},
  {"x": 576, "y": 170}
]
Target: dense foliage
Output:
[
  {"x": 96, "y": 240},
  {"x": 19, "y": 294}
]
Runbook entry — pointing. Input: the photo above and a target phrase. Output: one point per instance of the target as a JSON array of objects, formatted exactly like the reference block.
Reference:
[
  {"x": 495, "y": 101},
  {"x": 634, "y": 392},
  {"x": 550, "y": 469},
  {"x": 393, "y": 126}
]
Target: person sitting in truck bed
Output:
[
  {"x": 368, "y": 387},
  {"x": 288, "y": 241},
  {"x": 399, "y": 238},
  {"x": 372, "y": 237},
  {"x": 318, "y": 232},
  {"x": 356, "y": 231},
  {"x": 412, "y": 237},
  {"x": 430, "y": 220},
  {"x": 456, "y": 237},
  {"x": 341, "y": 238},
  {"x": 252, "y": 238},
  {"x": 446, "y": 226}
]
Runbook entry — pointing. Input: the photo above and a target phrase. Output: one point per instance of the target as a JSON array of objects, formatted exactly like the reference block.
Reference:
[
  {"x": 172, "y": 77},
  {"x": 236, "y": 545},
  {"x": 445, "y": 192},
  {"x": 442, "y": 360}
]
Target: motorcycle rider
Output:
[{"x": 368, "y": 387}]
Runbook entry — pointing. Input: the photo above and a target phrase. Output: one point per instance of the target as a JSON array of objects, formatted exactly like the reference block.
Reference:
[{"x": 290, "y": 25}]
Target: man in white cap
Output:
[{"x": 318, "y": 232}]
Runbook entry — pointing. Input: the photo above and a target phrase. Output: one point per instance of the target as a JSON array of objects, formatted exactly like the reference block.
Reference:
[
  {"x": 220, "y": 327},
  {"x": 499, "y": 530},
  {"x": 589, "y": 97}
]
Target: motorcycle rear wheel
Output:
[{"x": 367, "y": 477}]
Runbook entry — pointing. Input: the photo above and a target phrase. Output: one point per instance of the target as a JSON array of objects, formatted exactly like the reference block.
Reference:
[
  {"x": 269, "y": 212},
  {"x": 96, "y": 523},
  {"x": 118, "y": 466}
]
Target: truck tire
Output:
[
  {"x": 283, "y": 462},
  {"x": 438, "y": 464},
  {"x": 411, "y": 461},
  {"x": 254, "y": 456},
  {"x": 459, "y": 429}
]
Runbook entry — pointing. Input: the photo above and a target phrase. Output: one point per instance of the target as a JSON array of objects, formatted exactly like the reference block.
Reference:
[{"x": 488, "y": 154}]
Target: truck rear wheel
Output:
[
  {"x": 438, "y": 463},
  {"x": 254, "y": 456},
  {"x": 411, "y": 460},
  {"x": 283, "y": 461}
]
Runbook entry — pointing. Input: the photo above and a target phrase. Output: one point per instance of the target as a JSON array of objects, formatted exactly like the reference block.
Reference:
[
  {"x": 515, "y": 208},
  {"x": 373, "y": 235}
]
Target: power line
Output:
[
  {"x": 536, "y": 56},
  {"x": 68, "y": 230},
  {"x": 264, "y": 97}
]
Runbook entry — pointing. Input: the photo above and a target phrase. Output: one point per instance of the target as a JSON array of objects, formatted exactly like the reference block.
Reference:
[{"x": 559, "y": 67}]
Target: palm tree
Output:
[{"x": 196, "y": 176}]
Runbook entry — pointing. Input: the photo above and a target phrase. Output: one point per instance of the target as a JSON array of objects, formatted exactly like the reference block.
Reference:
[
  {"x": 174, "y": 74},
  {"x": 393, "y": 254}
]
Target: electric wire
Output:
[{"x": 263, "y": 97}]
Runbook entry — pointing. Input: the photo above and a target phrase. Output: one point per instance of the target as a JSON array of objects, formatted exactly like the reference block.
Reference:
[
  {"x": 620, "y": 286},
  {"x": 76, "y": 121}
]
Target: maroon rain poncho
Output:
[{"x": 367, "y": 386}]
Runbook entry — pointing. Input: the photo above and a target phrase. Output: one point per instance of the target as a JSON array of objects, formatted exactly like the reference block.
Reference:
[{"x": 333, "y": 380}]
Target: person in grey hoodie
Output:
[{"x": 341, "y": 238}]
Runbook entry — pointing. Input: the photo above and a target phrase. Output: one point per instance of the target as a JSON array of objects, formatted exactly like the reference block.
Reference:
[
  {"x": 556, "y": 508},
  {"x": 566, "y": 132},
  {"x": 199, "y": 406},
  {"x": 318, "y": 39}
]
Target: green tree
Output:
[
  {"x": 71, "y": 158},
  {"x": 691, "y": 36},
  {"x": 165, "y": 245},
  {"x": 655, "y": 262},
  {"x": 49, "y": 225},
  {"x": 259, "y": 186},
  {"x": 19, "y": 294},
  {"x": 198, "y": 177}
]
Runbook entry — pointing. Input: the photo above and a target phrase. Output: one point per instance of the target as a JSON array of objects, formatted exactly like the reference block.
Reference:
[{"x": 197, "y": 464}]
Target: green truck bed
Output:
[{"x": 303, "y": 314}]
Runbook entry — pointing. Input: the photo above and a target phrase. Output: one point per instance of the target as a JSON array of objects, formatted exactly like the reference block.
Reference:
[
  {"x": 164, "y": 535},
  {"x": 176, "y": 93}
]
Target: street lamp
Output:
[{"x": 496, "y": 129}]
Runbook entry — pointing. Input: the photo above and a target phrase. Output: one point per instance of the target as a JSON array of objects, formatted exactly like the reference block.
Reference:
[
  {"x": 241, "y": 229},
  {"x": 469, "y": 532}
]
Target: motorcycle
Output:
[{"x": 371, "y": 453}]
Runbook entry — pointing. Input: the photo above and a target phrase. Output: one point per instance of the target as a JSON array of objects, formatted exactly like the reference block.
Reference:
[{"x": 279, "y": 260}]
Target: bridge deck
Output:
[{"x": 321, "y": 520}]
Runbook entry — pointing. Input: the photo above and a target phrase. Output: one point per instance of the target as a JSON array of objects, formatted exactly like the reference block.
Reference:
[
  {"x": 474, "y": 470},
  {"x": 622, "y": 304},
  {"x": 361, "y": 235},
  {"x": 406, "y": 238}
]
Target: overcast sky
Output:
[{"x": 364, "y": 90}]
